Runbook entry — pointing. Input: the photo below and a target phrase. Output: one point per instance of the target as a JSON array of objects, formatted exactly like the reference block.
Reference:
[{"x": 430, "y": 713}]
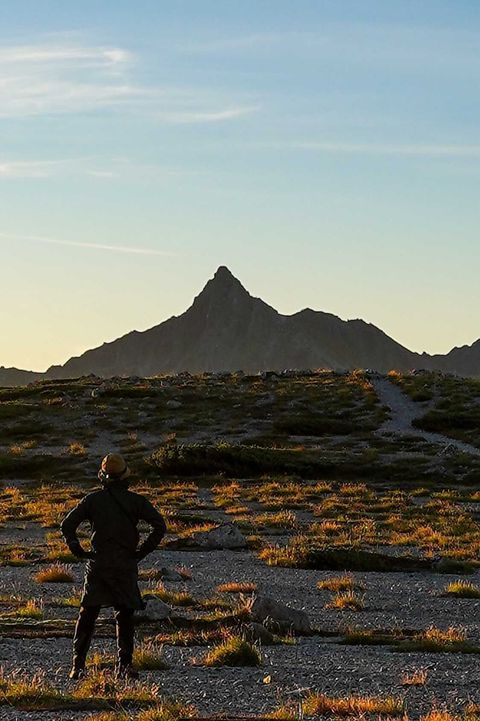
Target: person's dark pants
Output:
[{"x": 85, "y": 627}]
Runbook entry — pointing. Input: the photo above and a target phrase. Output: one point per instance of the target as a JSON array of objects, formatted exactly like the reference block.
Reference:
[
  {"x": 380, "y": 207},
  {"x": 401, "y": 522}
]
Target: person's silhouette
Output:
[{"x": 111, "y": 576}]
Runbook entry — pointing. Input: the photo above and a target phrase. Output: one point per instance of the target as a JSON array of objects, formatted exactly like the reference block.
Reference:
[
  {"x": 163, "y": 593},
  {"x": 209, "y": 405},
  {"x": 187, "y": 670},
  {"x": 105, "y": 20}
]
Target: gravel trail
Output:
[{"x": 403, "y": 411}]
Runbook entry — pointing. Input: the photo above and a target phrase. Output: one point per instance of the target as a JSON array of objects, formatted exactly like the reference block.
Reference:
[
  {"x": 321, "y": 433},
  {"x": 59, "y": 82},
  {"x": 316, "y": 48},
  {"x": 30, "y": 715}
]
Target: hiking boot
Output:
[
  {"x": 76, "y": 672},
  {"x": 126, "y": 671}
]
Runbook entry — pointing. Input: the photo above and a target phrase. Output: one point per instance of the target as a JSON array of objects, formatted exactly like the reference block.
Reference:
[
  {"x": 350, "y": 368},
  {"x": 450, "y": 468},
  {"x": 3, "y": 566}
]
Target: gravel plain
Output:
[{"x": 318, "y": 663}]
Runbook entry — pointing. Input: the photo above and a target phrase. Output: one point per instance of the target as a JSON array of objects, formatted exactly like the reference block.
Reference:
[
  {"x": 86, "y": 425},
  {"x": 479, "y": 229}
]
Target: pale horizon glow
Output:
[{"x": 328, "y": 153}]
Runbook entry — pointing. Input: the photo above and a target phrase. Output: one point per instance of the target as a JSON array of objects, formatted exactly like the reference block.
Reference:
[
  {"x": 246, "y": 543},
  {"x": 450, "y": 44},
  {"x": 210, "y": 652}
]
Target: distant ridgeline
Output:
[{"x": 226, "y": 329}]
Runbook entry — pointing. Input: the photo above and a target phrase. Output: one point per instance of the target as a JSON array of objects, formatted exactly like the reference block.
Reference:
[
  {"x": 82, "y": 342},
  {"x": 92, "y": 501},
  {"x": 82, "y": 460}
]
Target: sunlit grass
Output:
[
  {"x": 462, "y": 589},
  {"x": 55, "y": 574},
  {"x": 235, "y": 650},
  {"x": 346, "y": 601}
]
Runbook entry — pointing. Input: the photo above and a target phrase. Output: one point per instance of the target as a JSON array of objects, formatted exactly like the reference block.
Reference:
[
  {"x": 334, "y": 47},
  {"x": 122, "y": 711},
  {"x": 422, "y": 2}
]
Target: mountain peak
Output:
[
  {"x": 224, "y": 275},
  {"x": 223, "y": 270},
  {"x": 222, "y": 290}
]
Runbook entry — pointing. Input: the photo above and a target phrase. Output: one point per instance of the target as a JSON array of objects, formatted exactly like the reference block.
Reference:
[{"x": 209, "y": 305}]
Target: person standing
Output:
[{"x": 111, "y": 575}]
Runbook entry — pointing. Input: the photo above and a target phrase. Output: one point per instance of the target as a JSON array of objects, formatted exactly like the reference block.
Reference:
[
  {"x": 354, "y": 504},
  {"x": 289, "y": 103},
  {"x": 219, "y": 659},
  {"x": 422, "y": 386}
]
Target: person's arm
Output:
[
  {"x": 69, "y": 527},
  {"x": 150, "y": 515}
]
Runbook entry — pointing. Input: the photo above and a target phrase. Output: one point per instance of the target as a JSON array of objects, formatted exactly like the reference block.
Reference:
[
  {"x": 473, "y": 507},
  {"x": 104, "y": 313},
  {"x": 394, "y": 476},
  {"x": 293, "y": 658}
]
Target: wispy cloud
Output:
[
  {"x": 98, "y": 56},
  {"x": 197, "y": 116},
  {"x": 88, "y": 246},
  {"x": 116, "y": 168},
  {"x": 439, "y": 151},
  {"x": 55, "y": 78},
  {"x": 346, "y": 41},
  {"x": 29, "y": 168}
]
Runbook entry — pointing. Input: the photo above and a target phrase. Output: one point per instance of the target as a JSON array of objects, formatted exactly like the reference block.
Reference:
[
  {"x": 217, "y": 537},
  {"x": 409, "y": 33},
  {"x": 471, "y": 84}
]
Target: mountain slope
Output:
[{"x": 17, "y": 377}]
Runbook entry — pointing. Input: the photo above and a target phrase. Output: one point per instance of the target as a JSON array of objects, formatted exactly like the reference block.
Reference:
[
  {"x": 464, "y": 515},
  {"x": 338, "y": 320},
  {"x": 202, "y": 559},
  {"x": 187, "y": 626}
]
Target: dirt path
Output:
[{"x": 403, "y": 411}]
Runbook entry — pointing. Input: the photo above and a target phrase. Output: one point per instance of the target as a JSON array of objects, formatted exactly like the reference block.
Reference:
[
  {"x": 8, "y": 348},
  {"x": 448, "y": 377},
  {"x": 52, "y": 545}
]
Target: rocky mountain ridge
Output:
[{"x": 226, "y": 329}]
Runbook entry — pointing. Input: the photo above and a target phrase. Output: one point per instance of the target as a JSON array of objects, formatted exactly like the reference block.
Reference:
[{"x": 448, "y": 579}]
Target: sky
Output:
[{"x": 326, "y": 151}]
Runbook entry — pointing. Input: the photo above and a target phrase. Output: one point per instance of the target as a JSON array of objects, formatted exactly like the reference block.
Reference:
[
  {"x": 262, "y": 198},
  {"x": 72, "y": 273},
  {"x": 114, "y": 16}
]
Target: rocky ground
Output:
[{"x": 318, "y": 663}]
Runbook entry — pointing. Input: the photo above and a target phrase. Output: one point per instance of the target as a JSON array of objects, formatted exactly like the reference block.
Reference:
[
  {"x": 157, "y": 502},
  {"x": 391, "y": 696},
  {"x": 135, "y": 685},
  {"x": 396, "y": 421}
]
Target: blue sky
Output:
[{"x": 326, "y": 151}]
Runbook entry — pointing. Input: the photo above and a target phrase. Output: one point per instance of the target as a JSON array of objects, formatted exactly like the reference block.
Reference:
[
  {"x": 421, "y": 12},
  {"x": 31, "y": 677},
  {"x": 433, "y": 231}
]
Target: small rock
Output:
[
  {"x": 257, "y": 632},
  {"x": 264, "y": 608},
  {"x": 156, "y": 609},
  {"x": 226, "y": 535},
  {"x": 173, "y": 404},
  {"x": 169, "y": 574}
]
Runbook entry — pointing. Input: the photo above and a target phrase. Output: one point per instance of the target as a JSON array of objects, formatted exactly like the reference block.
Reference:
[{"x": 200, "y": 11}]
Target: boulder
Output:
[
  {"x": 264, "y": 608},
  {"x": 156, "y": 609},
  {"x": 226, "y": 536},
  {"x": 173, "y": 404}
]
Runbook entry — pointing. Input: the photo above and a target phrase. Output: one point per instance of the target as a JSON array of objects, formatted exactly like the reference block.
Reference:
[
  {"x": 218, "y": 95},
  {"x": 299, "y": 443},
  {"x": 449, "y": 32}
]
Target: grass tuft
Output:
[
  {"x": 346, "y": 601},
  {"x": 462, "y": 589},
  {"x": 320, "y": 705},
  {"x": 173, "y": 598},
  {"x": 418, "y": 677},
  {"x": 436, "y": 640},
  {"x": 237, "y": 587},
  {"x": 234, "y": 651},
  {"x": 25, "y": 693},
  {"x": 148, "y": 656},
  {"x": 339, "y": 583},
  {"x": 32, "y": 609},
  {"x": 57, "y": 573}
]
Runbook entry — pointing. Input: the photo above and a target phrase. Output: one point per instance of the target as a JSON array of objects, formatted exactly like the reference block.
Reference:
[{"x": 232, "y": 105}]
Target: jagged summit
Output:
[
  {"x": 223, "y": 293},
  {"x": 224, "y": 274},
  {"x": 223, "y": 280}
]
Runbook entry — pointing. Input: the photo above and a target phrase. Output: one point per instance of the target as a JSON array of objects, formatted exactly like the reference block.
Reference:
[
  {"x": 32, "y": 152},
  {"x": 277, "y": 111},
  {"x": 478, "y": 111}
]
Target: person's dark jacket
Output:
[{"x": 113, "y": 514}]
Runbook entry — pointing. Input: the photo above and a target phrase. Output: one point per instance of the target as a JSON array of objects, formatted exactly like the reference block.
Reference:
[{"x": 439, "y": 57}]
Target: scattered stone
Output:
[
  {"x": 156, "y": 609},
  {"x": 264, "y": 608},
  {"x": 169, "y": 574}
]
